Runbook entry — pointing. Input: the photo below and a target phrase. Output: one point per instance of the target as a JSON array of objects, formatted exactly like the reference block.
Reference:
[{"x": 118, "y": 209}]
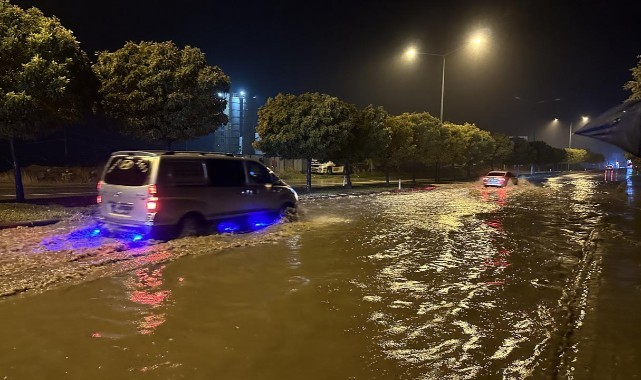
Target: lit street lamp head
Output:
[
  {"x": 410, "y": 54},
  {"x": 477, "y": 41}
]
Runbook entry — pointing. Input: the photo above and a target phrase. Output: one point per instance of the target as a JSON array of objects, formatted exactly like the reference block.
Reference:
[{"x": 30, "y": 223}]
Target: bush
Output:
[{"x": 53, "y": 174}]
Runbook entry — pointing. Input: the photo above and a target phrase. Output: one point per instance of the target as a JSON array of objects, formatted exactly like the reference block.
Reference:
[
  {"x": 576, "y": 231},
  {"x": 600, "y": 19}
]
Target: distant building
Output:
[{"x": 238, "y": 134}]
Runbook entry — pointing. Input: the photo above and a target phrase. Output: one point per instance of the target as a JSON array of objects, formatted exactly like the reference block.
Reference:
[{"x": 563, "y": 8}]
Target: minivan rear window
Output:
[
  {"x": 182, "y": 173},
  {"x": 127, "y": 171}
]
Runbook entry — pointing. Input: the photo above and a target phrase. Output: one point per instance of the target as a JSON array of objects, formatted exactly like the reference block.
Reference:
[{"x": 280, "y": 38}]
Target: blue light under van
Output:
[
  {"x": 228, "y": 226},
  {"x": 260, "y": 220}
]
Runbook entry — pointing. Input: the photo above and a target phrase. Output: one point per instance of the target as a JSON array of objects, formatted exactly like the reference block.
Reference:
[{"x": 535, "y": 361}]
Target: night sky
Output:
[{"x": 539, "y": 51}]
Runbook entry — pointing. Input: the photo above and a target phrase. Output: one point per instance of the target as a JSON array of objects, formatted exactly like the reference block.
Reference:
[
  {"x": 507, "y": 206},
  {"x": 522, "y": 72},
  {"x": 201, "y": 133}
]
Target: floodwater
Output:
[{"x": 539, "y": 280}]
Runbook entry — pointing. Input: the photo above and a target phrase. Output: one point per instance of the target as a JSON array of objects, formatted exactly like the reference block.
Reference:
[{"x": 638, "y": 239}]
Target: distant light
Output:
[
  {"x": 410, "y": 54},
  {"x": 556, "y": 120},
  {"x": 479, "y": 38},
  {"x": 585, "y": 119},
  {"x": 136, "y": 237},
  {"x": 242, "y": 93},
  {"x": 95, "y": 232},
  {"x": 221, "y": 95}
]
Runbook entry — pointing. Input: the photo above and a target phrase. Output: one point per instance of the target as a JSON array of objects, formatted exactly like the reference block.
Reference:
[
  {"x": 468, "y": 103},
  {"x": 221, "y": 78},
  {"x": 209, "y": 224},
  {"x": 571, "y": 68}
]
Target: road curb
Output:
[{"x": 33, "y": 223}]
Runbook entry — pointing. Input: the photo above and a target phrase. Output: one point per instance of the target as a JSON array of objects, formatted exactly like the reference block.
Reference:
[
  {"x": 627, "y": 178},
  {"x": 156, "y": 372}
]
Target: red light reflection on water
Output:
[
  {"x": 153, "y": 257},
  {"x": 496, "y": 264},
  {"x": 499, "y": 196},
  {"x": 145, "y": 291},
  {"x": 494, "y": 223},
  {"x": 610, "y": 175}
]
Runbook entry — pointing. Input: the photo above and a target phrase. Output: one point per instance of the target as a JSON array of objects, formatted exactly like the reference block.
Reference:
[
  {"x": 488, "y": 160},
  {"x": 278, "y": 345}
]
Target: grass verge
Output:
[{"x": 23, "y": 212}]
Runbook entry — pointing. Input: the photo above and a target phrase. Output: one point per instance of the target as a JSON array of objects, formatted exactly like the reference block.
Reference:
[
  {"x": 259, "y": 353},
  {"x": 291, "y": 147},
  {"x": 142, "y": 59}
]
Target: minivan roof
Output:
[{"x": 158, "y": 153}]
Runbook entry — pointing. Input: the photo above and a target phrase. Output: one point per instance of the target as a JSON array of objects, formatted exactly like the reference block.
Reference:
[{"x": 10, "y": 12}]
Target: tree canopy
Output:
[
  {"x": 159, "y": 92},
  {"x": 368, "y": 138},
  {"x": 45, "y": 78},
  {"x": 42, "y": 70},
  {"x": 502, "y": 149},
  {"x": 426, "y": 139},
  {"x": 399, "y": 147},
  {"x": 576, "y": 156},
  {"x": 473, "y": 145},
  {"x": 310, "y": 125},
  {"x": 634, "y": 85}
]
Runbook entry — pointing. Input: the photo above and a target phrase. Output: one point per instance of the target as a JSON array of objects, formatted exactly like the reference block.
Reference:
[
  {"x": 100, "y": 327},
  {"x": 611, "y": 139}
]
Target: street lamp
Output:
[
  {"x": 584, "y": 120},
  {"x": 476, "y": 41}
]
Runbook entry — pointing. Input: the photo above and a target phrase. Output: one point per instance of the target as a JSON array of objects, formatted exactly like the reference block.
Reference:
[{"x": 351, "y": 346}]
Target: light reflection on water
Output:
[
  {"x": 456, "y": 295},
  {"x": 455, "y": 283}
]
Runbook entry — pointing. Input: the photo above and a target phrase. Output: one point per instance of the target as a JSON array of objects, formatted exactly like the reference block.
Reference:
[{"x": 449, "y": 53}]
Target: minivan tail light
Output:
[
  {"x": 152, "y": 200},
  {"x": 99, "y": 197},
  {"x": 152, "y": 204}
]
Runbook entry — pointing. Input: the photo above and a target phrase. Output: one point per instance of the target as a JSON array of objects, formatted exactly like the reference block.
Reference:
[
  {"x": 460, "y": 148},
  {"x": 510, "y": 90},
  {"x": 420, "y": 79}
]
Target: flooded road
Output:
[{"x": 540, "y": 280}]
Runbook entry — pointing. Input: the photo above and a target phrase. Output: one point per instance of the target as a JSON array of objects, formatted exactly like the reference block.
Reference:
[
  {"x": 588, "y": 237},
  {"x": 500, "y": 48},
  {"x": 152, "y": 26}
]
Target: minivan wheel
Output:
[{"x": 190, "y": 225}]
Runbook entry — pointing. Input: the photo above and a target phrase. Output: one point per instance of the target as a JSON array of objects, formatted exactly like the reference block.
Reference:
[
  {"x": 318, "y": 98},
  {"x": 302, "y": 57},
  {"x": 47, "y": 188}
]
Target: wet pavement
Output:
[{"x": 539, "y": 280}]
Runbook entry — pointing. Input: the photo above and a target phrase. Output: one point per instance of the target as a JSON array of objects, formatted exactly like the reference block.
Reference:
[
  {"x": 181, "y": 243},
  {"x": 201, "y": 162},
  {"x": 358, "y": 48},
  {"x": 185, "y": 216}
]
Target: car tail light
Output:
[
  {"x": 152, "y": 204},
  {"x": 99, "y": 197},
  {"x": 152, "y": 200}
]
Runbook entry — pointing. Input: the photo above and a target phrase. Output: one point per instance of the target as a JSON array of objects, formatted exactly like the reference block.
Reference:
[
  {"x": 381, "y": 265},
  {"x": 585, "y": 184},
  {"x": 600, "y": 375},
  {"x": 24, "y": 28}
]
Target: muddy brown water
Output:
[{"x": 461, "y": 282}]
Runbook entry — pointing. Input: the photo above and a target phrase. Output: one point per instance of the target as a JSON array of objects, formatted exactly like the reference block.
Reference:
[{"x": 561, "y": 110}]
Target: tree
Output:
[
  {"x": 158, "y": 92},
  {"x": 399, "y": 148},
  {"x": 521, "y": 153},
  {"x": 369, "y": 137},
  {"x": 546, "y": 154},
  {"x": 472, "y": 146},
  {"x": 45, "y": 78},
  {"x": 503, "y": 149},
  {"x": 634, "y": 85},
  {"x": 309, "y": 125},
  {"x": 575, "y": 156},
  {"x": 436, "y": 144},
  {"x": 427, "y": 140},
  {"x": 594, "y": 158}
]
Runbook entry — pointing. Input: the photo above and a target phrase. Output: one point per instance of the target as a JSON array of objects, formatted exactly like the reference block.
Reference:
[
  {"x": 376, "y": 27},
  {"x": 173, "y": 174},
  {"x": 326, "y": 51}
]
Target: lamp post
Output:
[
  {"x": 412, "y": 52},
  {"x": 584, "y": 119}
]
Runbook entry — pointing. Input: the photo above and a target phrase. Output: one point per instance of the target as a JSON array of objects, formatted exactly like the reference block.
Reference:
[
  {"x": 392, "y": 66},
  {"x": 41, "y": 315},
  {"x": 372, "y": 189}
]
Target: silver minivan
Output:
[{"x": 186, "y": 193}]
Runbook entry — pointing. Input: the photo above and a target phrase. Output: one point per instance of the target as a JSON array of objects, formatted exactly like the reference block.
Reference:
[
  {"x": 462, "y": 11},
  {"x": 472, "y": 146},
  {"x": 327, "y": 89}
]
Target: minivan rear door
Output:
[{"x": 124, "y": 189}]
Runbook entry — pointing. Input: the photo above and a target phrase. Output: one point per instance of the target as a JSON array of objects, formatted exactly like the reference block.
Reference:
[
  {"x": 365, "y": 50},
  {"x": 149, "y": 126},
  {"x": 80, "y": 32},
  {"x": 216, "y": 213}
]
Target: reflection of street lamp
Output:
[
  {"x": 584, "y": 120},
  {"x": 476, "y": 41}
]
